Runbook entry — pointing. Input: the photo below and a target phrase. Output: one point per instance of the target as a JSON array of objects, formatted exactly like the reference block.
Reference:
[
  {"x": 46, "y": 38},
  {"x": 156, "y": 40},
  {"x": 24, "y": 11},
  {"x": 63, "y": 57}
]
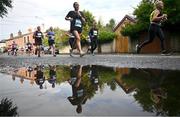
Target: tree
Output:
[
  {"x": 110, "y": 26},
  {"x": 7, "y": 108},
  {"x": 173, "y": 11},
  {"x": 89, "y": 21},
  {"x": 143, "y": 11},
  {"x": 4, "y": 4}
]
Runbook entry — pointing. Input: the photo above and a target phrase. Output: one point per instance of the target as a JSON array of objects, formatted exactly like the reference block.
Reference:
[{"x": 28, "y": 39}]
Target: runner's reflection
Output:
[
  {"x": 52, "y": 75},
  {"x": 40, "y": 78},
  {"x": 93, "y": 76},
  {"x": 78, "y": 93}
]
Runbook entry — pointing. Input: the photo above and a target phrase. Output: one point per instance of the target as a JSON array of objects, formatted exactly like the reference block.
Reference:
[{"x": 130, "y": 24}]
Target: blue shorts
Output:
[{"x": 51, "y": 42}]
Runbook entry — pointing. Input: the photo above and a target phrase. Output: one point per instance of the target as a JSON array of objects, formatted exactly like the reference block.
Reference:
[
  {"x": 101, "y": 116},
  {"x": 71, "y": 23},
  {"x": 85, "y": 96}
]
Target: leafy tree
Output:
[
  {"x": 7, "y": 108},
  {"x": 4, "y": 4},
  {"x": 143, "y": 11},
  {"x": 89, "y": 21},
  {"x": 173, "y": 11},
  {"x": 110, "y": 26},
  {"x": 105, "y": 32},
  {"x": 105, "y": 37}
]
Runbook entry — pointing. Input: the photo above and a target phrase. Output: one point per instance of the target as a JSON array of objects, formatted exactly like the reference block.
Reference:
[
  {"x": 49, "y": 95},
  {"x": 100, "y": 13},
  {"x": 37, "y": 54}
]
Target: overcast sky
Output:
[{"x": 31, "y": 13}]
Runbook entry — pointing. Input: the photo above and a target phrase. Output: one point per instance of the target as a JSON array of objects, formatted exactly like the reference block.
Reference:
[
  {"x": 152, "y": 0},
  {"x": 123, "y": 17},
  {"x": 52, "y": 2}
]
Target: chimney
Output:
[
  {"x": 19, "y": 33},
  {"x": 30, "y": 30},
  {"x": 11, "y": 36}
]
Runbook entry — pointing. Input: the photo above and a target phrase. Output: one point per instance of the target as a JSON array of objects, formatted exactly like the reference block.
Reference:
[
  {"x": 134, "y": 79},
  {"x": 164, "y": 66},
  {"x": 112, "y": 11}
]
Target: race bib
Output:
[
  {"x": 51, "y": 37},
  {"x": 78, "y": 23},
  {"x": 39, "y": 35},
  {"x": 80, "y": 93},
  {"x": 95, "y": 32}
]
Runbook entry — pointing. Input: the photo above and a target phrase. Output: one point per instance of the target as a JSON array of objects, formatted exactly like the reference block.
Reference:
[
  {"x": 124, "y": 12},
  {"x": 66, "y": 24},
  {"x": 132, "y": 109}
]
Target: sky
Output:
[{"x": 27, "y": 14}]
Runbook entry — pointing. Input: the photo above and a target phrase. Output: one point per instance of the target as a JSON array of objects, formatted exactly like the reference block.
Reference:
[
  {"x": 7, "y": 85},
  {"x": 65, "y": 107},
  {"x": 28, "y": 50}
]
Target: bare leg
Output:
[
  {"x": 39, "y": 50},
  {"x": 53, "y": 49},
  {"x": 78, "y": 41}
]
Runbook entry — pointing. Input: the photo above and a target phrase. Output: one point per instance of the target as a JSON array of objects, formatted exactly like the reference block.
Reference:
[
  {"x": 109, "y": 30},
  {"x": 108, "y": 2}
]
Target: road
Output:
[{"x": 154, "y": 61}]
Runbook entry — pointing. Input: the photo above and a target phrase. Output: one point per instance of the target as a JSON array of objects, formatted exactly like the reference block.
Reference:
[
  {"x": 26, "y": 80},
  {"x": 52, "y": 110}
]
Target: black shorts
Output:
[
  {"x": 77, "y": 29},
  {"x": 29, "y": 48},
  {"x": 51, "y": 42},
  {"x": 14, "y": 49},
  {"x": 38, "y": 42}
]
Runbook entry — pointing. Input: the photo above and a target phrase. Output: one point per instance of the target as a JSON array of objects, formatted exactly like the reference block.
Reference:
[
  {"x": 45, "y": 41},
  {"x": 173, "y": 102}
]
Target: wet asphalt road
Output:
[{"x": 113, "y": 60}]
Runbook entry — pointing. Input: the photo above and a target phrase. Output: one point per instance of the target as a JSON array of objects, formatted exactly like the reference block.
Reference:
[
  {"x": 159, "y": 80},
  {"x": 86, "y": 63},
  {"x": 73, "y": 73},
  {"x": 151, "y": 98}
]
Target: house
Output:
[
  {"x": 21, "y": 39},
  {"x": 122, "y": 43}
]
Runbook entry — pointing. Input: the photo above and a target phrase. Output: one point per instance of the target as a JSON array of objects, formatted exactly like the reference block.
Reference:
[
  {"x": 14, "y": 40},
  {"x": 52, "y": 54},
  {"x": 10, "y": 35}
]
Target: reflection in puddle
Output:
[
  {"x": 98, "y": 90},
  {"x": 7, "y": 108}
]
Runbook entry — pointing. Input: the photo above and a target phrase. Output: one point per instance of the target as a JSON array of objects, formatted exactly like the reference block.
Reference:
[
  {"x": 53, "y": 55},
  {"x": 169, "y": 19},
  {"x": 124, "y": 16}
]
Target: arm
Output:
[
  {"x": 68, "y": 17},
  {"x": 156, "y": 18},
  {"x": 90, "y": 33},
  {"x": 82, "y": 16}
]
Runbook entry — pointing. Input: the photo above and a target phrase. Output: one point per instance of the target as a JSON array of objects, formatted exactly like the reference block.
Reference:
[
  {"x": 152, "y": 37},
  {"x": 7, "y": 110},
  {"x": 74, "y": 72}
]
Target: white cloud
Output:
[{"x": 29, "y": 14}]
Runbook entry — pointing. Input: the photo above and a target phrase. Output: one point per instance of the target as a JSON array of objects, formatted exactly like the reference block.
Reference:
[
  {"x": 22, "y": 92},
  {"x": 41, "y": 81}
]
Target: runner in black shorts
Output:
[
  {"x": 156, "y": 18},
  {"x": 77, "y": 19},
  {"x": 93, "y": 34},
  {"x": 38, "y": 36},
  {"x": 14, "y": 48},
  {"x": 29, "y": 48}
]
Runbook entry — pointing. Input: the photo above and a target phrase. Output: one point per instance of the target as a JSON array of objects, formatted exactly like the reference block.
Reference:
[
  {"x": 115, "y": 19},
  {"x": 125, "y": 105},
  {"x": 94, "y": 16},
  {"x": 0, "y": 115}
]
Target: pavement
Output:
[{"x": 154, "y": 61}]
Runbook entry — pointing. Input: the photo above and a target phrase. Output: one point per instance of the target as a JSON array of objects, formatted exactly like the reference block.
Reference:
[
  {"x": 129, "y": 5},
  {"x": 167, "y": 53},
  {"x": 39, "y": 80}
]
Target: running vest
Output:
[
  {"x": 152, "y": 15},
  {"x": 38, "y": 35},
  {"x": 51, "y": 35},
  {"x": 78, "y": 23}
]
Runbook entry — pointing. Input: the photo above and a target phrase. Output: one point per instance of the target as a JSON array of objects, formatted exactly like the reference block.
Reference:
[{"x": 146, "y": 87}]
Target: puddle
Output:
[{"x": 91, "y": 91}]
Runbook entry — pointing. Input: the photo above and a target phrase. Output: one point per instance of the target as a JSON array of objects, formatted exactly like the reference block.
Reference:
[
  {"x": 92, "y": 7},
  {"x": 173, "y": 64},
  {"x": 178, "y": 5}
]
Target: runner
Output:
[
  {"x": 51, "y": 41},
  {"x": 77, "y": 19},
  {"x": 79, "y": 95},
  {"x": 52, "y": 75},
  {"x": 29, "y": 48},
  {"x": 93, "y": 34},
  {"x": 156, "y": 18},
  {"x": 14, "y": 48},
  {"x": 38, "y": 36},
  {"x": 40, "y": 78}
]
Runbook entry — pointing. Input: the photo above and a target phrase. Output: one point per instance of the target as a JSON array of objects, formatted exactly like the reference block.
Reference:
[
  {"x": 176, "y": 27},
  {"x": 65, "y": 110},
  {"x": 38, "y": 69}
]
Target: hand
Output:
[
  {"x": 71, "y": 19},
  {"x": 164, "y": 16}
]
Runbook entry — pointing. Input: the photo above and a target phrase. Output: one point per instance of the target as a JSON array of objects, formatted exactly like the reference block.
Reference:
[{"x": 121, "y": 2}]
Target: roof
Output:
[
  {"x": 2, "y": 41},
  {"x": 125, "y": 17},
  {"x": 18, "y": 36}
]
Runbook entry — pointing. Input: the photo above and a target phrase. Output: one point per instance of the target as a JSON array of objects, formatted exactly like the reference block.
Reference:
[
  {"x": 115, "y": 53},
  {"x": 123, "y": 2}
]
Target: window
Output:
[
  {"x": 28, "y": 38},
  {"x": 24, "y": 39}
]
